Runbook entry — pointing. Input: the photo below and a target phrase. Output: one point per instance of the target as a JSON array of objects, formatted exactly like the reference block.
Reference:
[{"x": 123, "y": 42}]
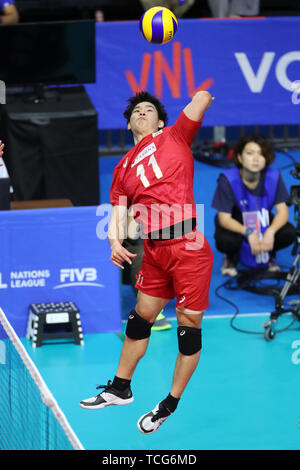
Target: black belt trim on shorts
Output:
[{"x": 174, "y": 231}]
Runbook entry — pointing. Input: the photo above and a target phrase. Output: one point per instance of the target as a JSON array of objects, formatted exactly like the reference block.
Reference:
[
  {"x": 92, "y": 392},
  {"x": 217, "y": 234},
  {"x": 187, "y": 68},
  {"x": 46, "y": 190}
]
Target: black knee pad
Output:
[
  {"x": 189, "y": 340},
  {"x": 137, "y": 327}
]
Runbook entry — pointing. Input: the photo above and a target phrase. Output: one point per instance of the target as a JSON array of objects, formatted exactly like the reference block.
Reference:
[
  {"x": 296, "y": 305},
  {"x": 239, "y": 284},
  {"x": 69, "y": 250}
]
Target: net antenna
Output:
[{"x": 46, "y": 396}]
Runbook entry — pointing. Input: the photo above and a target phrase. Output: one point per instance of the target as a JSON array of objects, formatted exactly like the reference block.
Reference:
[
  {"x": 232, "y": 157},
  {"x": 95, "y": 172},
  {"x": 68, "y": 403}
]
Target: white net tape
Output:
[{"x": 46, "y": 396}]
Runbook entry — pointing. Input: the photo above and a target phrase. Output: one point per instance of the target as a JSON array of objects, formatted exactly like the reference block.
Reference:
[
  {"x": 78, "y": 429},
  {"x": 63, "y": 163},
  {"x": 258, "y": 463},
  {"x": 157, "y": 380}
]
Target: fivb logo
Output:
[
  {"x": 70, "y": 277},
  {"x": 2, "y": 92}
]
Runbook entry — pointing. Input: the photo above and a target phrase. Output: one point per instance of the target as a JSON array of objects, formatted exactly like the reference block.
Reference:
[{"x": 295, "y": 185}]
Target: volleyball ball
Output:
[{"x": 158, "y": 25}]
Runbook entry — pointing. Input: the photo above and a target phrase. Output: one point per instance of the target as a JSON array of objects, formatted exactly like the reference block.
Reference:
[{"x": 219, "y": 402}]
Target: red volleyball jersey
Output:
[{"x": 155, "y": 177}]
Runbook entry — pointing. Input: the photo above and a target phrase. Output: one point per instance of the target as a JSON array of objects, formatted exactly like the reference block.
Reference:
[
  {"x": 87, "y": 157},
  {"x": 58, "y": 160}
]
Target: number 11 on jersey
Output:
[{"x": 140, "y": 171}]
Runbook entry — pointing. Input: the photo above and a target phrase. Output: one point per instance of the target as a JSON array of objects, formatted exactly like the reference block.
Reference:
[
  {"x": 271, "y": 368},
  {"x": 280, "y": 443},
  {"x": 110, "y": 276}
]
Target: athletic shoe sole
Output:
[
  {"x": 140, "y": 428},
  {"x": 159, "y": 422},
  {"x": 274, "y": 269},
  {"x": 231, "y": 272},
  {"x": 117, "y": 401}
]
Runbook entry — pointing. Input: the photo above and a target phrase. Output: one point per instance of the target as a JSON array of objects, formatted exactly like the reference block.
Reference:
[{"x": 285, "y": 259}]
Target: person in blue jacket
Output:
[
  {"x": 246, "y": 229},
  {"x": 8, "y": 12}
]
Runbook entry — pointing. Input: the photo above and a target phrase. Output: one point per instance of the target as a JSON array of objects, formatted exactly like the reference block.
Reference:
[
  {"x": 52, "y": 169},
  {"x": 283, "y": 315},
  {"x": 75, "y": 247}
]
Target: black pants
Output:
[{"x": 230, "y": 243}]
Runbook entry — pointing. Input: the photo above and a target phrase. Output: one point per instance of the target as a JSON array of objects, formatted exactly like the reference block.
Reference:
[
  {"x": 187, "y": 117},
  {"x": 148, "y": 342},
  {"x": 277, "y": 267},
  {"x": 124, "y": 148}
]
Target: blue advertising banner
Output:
[
  {"x": 251, "y": 66},
  {"x": 58, "y": 255}
]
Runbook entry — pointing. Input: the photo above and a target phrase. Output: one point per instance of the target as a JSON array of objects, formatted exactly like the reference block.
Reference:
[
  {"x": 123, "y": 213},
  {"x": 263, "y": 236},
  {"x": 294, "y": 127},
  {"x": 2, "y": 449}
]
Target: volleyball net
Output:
[{"x": 30, "y": 418}]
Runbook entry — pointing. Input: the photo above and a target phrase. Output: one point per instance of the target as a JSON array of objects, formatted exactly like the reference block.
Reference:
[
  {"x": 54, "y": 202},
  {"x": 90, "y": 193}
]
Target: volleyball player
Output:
[{"x": 155, "y": 179}]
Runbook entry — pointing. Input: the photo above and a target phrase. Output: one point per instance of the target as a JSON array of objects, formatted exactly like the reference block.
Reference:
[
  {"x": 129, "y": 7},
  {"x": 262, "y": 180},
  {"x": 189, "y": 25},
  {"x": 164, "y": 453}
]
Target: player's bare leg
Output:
[
  {"x": 185, "y": 366},
  {"x": 133, "y": 350},
  {"x": 118, "y": 391}
]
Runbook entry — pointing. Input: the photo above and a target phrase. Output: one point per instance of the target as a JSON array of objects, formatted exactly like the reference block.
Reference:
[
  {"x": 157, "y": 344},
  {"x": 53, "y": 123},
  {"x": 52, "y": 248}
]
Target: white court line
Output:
[
  {"x": 227, "y": 315},
  {"x": 230, "y": 315}
]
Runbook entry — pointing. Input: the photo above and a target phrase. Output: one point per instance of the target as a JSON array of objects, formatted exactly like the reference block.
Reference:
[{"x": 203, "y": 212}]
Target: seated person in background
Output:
[
  {"x": 234, "y": 8},
  {"x": 178, "y": 7},
  {"x": 8, "y": 12},
  {"x": 245, "y": 228}
]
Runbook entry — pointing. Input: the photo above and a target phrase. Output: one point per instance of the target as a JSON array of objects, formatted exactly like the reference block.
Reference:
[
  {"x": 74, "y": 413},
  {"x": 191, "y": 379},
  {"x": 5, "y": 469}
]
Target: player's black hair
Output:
[
  {"x": 145, "y": 96},
  {"x": 265, "y": 146}
]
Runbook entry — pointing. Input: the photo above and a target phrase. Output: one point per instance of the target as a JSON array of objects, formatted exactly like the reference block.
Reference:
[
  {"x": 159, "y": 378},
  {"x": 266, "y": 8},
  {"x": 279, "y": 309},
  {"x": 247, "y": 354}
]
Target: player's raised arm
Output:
[{"x": 200, "y": 102}]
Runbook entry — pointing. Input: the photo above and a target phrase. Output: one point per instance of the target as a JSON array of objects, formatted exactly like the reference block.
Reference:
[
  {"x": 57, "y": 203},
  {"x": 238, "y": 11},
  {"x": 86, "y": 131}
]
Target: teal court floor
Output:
[{"x": 244, "y": 394}]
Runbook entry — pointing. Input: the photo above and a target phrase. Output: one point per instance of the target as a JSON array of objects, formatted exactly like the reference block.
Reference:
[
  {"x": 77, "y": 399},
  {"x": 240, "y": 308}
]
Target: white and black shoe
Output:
[
  {"x": 109, "y": 396},
  {"x": 150, "y": 422}
]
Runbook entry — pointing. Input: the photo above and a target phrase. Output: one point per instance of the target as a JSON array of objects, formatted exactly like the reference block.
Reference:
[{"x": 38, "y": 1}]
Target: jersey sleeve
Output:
[
  {"x": 282, "y": 194},
  {"x": 224, "y": 199},
  {"x": 117, "y": 193},
  {"x": 186, "y": 128}
]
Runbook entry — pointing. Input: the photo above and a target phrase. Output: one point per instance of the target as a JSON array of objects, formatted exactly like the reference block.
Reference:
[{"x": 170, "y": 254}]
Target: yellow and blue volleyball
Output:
[{"x": 158, "y": 25}]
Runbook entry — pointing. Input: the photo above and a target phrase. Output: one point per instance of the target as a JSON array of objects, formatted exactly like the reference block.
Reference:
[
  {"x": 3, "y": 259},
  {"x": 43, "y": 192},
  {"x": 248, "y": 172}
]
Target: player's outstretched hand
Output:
[
  {"x": 207, "y": 97},
  {"x": 119, "y": 255}
]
